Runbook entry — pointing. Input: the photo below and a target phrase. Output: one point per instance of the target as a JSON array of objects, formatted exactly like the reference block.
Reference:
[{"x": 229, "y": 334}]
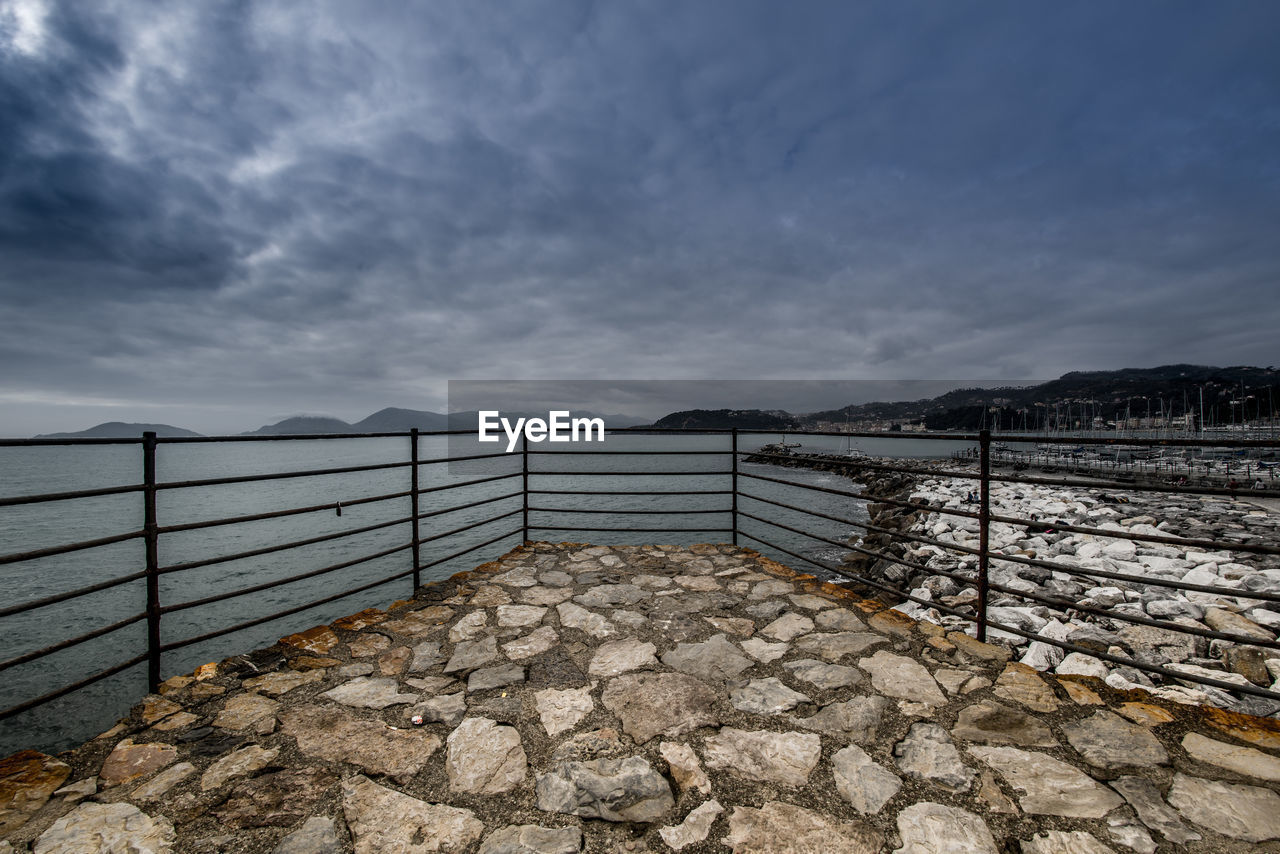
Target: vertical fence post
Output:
[
  {"x": 984, "y": 524},
  {"x": 413, "y": 506},
  {"x": 734, "y": 452},
  {"x": 152, "y": 536},
  {"x": 524, "y": 491}
]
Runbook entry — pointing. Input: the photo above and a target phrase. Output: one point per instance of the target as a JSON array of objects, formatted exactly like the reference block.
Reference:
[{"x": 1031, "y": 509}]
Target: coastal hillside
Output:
[
  {"x": 725, "y": 419},
  {"x": 123, "y": 430}
]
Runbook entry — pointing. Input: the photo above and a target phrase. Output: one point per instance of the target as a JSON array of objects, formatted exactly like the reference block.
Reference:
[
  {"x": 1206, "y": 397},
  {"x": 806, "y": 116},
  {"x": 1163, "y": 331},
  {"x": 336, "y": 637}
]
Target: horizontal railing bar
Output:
[
  {"x": 278, "y": 475},
  {"x": 1122, "y": 616},
  {"x": 55, "y": 598},
  {"x": 470, "y": 549},
  {"x": 248, "y": 624},
  {"x": 1004, "y": 437},
  {"x": 1042, "y": 481},
  {"x": 494, "y": 455},
  {"x": 630, "y": 512},
  {"x": 622, "y": 492},
  {"x": 1124, "y": 661},
  {"x": 1143, "y": 486},
  {"x": 449, "y": 486},
  {"x": 1042, "y": 564},
  {"x": 479, "y": 524},
  {"x": 265, "y": 550},
  {"x": 1054, "y": 567},
  {"x": 280, "y": 582},
  {"x": 468, "y": 506},
  {"x": 1062, "y": 603},
  {"x": 277, "y": 514},
  {"x": 61, "y": 645},
  {"x": 617, "y": 453},
  {"x": 74, "y": 686},
  {"x": 1231, "y": 592},
  {"x": 298, "y": 437},
  {"x": 1217, "y": 545},
  {"x": 867, "y": 465},
  {"x": 15, "y": 500},
  {"x": 635, "y": 473},
  {"x": 853, "y": 576},
  {"x": 633, "y": 530},
  {"x": 18, "y": 557}
]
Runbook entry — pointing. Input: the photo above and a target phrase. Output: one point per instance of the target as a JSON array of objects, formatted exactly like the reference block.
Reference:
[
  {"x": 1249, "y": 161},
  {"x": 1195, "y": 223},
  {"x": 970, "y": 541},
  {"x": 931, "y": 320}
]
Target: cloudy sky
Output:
[{"x": 219, "y": 214}]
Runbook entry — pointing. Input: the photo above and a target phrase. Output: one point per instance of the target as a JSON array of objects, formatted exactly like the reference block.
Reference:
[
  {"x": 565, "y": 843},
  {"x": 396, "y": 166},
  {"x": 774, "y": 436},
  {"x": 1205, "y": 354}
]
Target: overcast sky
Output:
[{"x": 216, "y": 215}]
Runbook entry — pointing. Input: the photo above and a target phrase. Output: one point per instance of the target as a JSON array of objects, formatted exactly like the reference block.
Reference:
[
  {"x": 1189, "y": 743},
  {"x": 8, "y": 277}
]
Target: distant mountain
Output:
[
  {"x": 727, "y": 419},
  {"x": 121, "y": 430},
  {"x": 392, "y": 420},
  {"x": 1223, "y": 395},
  {"x": 304, "y": 425}
]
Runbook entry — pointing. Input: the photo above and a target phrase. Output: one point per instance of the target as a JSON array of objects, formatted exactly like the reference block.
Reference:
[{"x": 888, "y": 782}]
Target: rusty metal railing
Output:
[{"x": 538, "y": 514}]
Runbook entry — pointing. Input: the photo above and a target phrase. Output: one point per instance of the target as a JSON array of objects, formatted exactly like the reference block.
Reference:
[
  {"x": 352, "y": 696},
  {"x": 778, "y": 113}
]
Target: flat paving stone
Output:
[
  {"x": 824, "y": 676},
  {"x": 653, "y": 704},
  {"x": 1232, "y": 757},
  {"x": 763, "y": 651},
  {"x": 485, "y": 758},
  {"x": 107, "y": 828},
  {"x": 1152, "y": 811},
  {"x": 714, "y": 660},
  {"x": 782, "y": 827},
  {"x": 1065, "y": 842},
  {"x": 532, "y": 839},
  {"x": 366, "y": 692},
  {"x": 577, "y": 617},
  {"x": 1251, "y": 813},
  {"x": 1023, "y": 684},
  {"x": 865, "y": 784},
  {"x": 928, "y": 754},
  {"x": 533, "y": 644},
  {"x": 621, "y": 656},
  {"x": 1107, "y": 740},
  {"x": 469, "y": 655},
  {"x": 767, "y": 696},
  {"x": 993, "y": 723},
  {"x": 786, "y": 758},
  {"x": 27, "y": 780},
  {"x": 857, "y": 719},
  {"x": 902, "y": 677},
  {"x": 417, "y": 825},
  {"x": 788, "y": 627},
  {"x": 834, "y": 646},
  {"x": 561, "y": 710},
  {"x": 931, "y": 828},
  {"x": 1047, "y": 785},
  {"x": 336, "y": 735}
]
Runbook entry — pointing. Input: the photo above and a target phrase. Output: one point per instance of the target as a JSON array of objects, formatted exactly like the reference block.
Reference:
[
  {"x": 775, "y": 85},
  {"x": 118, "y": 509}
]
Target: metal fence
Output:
[{"x": 725, "y": 518}]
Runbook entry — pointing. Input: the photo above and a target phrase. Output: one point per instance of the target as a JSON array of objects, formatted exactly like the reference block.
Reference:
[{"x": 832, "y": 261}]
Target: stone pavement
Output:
[{"x": 572, "y": 698}]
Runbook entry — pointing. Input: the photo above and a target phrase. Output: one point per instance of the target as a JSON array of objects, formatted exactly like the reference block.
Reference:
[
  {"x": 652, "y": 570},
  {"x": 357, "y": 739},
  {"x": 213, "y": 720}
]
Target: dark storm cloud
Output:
[{"x": 335, "y": 207}]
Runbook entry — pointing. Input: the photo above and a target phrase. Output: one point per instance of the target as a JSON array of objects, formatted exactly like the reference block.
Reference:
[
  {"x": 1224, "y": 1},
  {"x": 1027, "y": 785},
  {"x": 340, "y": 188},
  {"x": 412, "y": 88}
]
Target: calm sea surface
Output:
[{"x": 82, "y": 714}]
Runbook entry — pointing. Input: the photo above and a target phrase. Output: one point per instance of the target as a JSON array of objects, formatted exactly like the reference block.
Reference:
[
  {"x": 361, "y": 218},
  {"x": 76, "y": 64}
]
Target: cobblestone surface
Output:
[{"x": 573, "y": 698}]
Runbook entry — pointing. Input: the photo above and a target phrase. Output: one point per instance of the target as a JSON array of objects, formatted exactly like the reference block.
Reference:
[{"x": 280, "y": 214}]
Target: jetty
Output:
[{"x": 578, "y": 698}]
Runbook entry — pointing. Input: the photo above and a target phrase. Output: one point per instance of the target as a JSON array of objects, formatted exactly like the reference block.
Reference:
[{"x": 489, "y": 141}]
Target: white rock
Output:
[{"x": 694, "y": 828}]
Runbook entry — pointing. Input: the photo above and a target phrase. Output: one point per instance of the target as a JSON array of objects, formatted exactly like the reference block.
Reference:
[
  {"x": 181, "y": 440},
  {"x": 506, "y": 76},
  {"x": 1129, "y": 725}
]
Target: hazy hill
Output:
[
  {"x": 725, "y": 419},
  {"x": 392, "y": 420},
  {"x": 304, "y": 425},
  {"x": 121, "y": 430}
]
